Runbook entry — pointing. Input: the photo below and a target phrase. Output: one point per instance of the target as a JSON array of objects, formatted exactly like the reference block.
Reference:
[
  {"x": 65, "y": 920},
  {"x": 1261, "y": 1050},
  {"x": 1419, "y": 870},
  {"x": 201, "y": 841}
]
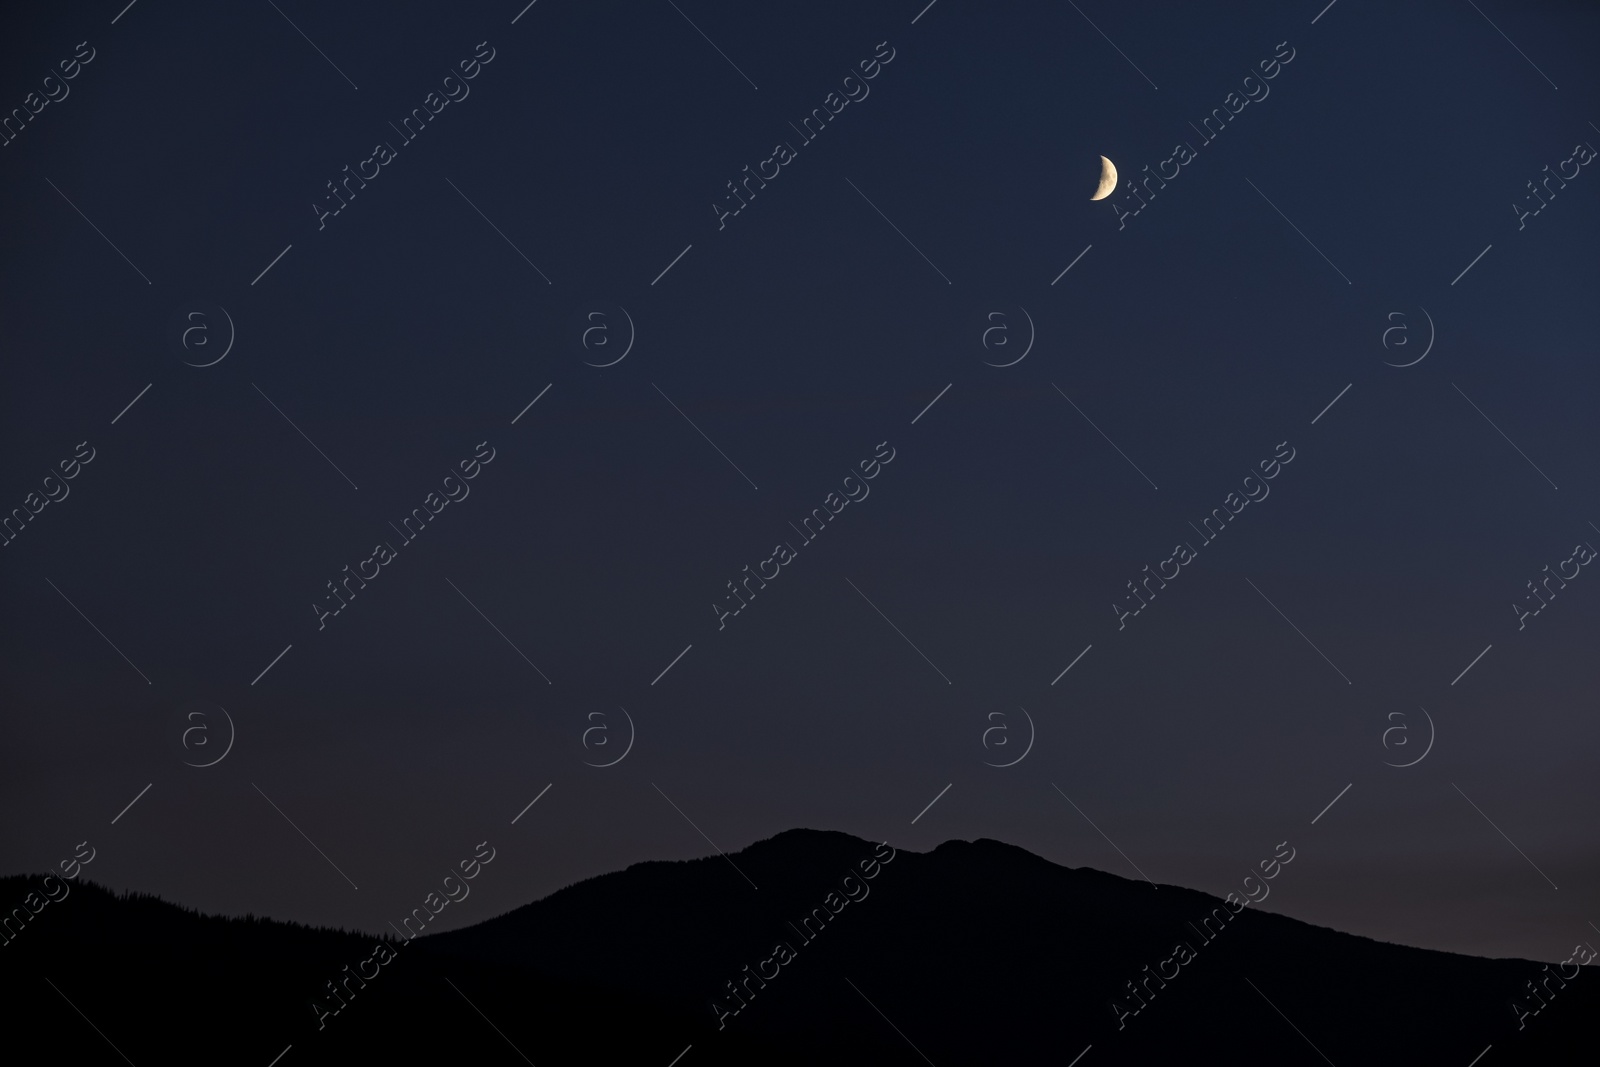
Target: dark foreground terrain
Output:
[{"x": 975, "y": 953}]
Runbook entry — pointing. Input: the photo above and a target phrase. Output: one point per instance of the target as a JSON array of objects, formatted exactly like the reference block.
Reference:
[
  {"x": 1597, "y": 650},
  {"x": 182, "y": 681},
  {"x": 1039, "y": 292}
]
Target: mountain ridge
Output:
[{"x": 796, "y": 948}]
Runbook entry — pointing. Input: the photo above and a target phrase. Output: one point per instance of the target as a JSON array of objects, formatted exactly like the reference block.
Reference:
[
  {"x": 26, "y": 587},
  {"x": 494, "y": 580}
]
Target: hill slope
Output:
[{"x": 848, "y": 952}]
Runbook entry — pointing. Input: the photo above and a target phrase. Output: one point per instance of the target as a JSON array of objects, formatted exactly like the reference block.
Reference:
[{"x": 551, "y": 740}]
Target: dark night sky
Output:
[{"x": 798, "y": 338}]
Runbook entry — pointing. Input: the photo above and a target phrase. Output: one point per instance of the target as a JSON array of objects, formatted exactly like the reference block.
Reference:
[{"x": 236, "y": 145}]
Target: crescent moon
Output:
[
  {"x": 632, "y": 334},
  {"x": 1032, "y": 733},
  {"x": 1032, "y": 333},
  {"x": 632, "y": 733},
  {"x": 1431, "y": 735},
  {"x": 231, "y": 735},
  {"x": 1108, "y": 179},
  {"x": 1431, "y": 334},
  {"x": 231, "y": 335}
]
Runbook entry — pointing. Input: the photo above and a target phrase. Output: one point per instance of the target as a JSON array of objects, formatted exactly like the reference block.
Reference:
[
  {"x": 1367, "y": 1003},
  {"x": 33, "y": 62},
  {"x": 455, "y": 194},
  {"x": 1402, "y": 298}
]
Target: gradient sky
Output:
[{"x": 381, "y": 349}]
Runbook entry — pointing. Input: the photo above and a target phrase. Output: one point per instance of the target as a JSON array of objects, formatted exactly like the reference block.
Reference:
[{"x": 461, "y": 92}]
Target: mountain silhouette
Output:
[{"x": 809, "y": 947}]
